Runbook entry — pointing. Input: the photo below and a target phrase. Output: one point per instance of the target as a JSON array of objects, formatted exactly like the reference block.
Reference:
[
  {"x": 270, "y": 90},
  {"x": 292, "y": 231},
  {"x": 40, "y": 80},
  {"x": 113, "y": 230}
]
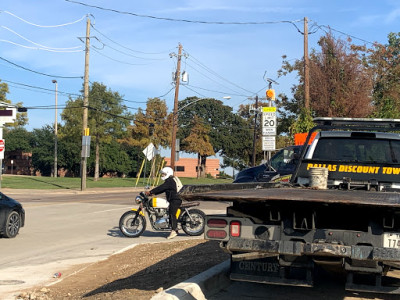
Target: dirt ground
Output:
[{"x": 135, "y": 274}]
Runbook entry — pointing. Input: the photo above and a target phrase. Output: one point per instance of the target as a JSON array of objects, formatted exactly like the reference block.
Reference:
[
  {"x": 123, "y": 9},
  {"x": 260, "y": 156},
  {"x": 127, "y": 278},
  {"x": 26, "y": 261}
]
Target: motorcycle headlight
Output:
[{"x": 138, "y": 199}]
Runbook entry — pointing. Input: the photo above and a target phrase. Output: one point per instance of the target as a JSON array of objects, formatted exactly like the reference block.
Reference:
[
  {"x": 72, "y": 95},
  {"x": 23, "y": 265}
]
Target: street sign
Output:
[
  {"x": 149, "y": 151},
  {"x": 85, "y": 146},
  {"x": 8, "y": 115},
  {"x": 268, "y": 143},
  {"x": 269, "y": 121}
]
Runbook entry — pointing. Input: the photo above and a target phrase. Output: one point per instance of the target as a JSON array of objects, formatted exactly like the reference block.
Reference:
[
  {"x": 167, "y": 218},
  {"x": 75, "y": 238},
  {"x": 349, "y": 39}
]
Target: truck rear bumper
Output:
[{"x": 295, "y": 248}]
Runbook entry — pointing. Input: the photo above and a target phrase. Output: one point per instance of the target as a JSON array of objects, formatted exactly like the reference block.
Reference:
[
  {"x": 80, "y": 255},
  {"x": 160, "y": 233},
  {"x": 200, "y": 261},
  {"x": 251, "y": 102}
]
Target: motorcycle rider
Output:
[{"x": 170, "y": 187}]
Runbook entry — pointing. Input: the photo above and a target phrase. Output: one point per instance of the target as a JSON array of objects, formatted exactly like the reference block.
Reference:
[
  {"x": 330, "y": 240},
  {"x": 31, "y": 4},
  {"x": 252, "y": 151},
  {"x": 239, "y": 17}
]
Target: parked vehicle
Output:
[
  {"x": 133, "y": 222},
  {"x": 12, "y": 216},
  {"x": 281, "y": 164},
  {"x": 282, "y": 233}
]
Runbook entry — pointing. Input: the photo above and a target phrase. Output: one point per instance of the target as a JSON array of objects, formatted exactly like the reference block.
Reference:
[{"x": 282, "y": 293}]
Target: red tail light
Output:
[
  {"x": 216, "y": 234},
  {"x": 217, "y": 223},
  {"x": 235, "y": 228}
]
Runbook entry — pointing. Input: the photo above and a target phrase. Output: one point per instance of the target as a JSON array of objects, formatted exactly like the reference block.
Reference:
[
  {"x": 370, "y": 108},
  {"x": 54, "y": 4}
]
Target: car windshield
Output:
[
  {"x": 283, "y": 159},
  {"x": 358, "y": 150}
]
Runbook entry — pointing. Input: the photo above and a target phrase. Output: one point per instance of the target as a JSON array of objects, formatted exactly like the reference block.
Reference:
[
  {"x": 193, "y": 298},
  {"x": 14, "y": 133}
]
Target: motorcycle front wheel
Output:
[
  {"x": 131, "y": 227},
  {"x": 194, "y": 222}
]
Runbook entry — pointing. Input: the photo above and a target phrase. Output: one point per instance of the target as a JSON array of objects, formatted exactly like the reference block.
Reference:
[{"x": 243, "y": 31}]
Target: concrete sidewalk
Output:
[{"x": 200, "y": 286}]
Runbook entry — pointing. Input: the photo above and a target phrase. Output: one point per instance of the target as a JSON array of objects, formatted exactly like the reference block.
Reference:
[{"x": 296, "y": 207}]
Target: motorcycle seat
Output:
[{"x": 189, "y": 204}]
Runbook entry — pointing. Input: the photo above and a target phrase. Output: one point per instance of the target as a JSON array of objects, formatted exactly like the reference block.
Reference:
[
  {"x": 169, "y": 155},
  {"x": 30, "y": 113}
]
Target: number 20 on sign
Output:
[{"x": 269, "y": 121}]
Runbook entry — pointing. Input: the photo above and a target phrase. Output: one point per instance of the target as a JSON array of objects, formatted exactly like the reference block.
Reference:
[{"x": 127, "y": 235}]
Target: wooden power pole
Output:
[
  {"x": 85, "y": 106},
  {"x": 255, "y": 134},
  {"x": 175, "y": 113},
  {"x": 306, "y": 67}
]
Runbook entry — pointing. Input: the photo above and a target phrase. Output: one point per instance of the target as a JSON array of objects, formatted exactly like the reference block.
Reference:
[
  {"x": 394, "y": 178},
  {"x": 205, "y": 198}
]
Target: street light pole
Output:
[{"x": 55, "y": 132}]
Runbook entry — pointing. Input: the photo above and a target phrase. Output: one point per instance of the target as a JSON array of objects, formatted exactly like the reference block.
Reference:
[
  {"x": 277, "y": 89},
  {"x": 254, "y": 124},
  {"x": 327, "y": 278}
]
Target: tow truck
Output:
[{"x": 282, "y": 233}]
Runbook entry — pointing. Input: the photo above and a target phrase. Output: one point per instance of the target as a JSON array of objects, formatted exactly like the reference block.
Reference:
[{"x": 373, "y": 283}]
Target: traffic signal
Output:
[{"x": 270, "y": 94}]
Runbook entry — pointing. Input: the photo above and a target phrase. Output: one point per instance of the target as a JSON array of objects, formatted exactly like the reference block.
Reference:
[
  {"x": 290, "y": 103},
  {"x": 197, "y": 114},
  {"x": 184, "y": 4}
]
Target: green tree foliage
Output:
[
  {"x": 115, "y": 158},
  {"x": 17, "y": 138},
  {"x": 107, "y": 120},
  {"x": 383, "y": 62},
  {"x": 229, "y": 134},
  {"x": 340, "y": 84},
  {"x": 152, "y": 125},
  {"x": 198, "y": 142},
  {"x": 43, "y": 150}
]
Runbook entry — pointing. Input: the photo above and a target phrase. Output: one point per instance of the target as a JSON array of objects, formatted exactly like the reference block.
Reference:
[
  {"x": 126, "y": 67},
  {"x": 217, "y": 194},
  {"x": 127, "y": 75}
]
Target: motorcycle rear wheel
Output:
[
  {"x": 130, "y": 229},
  {"x": 195, "y": 227}
]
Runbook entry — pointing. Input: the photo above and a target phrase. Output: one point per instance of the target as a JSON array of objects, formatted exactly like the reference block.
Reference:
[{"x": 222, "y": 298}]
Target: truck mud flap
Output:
[
  {"x": 370, "y": 280},
  {"x": 372, "y": 283},
  {"x": 268, "y": 270}
]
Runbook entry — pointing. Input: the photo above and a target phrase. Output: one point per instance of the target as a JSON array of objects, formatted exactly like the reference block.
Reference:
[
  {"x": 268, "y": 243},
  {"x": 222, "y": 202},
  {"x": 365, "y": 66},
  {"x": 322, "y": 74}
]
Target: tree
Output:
[
  {"x": 17, "y": 138},
  {"x": 383, "y": 62},
  {"x": 198, "y": 142},
  {"x": 152, "y": 125},
  {"x": 42, "y": 149},
  {"x": 107, "y": 120},
  {"x": 229, "y": 133},
  {"x": 340, "y": 84}
]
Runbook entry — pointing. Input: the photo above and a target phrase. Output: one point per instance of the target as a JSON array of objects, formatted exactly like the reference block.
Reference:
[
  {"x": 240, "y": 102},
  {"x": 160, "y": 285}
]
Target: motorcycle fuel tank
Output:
[{"x": 159, "y": 203}]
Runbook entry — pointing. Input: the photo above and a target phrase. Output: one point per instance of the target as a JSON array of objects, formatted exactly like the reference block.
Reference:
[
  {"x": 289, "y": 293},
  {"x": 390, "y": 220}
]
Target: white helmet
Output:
[{"x": 166, "y": 173}]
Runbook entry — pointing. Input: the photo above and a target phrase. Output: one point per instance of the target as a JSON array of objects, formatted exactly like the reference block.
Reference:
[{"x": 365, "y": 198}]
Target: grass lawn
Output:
[{"x": 42, "y": 182}]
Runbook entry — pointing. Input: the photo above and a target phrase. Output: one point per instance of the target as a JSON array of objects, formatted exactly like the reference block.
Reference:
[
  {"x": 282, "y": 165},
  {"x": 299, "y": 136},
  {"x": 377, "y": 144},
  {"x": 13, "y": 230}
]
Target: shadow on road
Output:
[{"x": 115, "y": 232}]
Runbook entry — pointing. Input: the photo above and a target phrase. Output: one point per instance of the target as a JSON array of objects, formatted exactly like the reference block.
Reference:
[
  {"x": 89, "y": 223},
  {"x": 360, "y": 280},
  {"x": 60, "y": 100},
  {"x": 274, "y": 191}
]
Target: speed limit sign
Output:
[{"x": 269, "y": 121}]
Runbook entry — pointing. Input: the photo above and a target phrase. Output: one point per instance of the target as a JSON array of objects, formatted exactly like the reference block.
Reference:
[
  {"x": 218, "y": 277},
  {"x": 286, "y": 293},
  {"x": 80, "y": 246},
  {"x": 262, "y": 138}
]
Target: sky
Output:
[{"x": 230, "y": 47}]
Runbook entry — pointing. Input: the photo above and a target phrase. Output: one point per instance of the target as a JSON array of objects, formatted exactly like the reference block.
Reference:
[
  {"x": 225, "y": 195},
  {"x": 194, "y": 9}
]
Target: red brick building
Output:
[{"x": 187, "y": 167}]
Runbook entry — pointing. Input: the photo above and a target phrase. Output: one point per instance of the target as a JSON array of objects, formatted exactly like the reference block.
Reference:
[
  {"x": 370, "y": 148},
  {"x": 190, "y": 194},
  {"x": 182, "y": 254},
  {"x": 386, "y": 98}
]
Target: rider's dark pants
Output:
[{"x": 173, "y": 207}]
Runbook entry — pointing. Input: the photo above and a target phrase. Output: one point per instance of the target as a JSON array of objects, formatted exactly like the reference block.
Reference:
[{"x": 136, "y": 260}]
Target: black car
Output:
[
  {"x": 12, "y": 216},
  {"x": 281, "y": 164}
]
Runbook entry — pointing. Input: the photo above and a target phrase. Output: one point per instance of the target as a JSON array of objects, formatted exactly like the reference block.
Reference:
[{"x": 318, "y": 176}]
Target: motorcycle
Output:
[{"x": 133, "y": 222}]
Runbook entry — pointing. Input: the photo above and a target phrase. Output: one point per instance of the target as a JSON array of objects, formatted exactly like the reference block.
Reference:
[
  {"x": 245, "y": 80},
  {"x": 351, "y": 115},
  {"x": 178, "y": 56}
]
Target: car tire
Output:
[{"x": 13, "y": 225}]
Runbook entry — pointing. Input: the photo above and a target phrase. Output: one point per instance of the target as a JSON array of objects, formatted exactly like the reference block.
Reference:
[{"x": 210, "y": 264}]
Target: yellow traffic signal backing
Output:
[{"x": 271, "y": 94}]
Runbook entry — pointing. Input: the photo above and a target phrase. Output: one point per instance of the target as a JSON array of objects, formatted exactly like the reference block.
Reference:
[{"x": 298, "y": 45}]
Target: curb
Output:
[{"x": 200, "y": 286}]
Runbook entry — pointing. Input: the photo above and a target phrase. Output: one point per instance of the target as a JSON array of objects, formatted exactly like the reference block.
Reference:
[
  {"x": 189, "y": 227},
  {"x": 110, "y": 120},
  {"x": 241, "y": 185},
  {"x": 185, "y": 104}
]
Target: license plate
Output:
[{"x": 391, "y": 240}]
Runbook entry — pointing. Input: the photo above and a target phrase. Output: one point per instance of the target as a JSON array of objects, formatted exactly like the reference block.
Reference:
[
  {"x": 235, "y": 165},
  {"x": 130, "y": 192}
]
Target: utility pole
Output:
[
  {"x": 306, "y": 67},
  {"x": 175, "y": 113},
  {"x": 55, "y": 132},
  {"x": 85, "y": 104},
  {"x": 255, "y": 133}
]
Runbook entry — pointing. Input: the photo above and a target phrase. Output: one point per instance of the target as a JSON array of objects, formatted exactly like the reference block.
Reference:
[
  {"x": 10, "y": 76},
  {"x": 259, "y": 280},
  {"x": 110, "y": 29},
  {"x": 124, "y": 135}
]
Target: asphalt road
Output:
[{"x": 65, "y": 228}]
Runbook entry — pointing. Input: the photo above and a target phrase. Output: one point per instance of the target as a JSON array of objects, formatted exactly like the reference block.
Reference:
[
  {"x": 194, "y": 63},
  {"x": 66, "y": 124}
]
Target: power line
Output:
[
  {"x": 122, "y": 46},
  {"x": 219, "y": 92},
  {"x": 41, "y": 46},
  {"x": 113, "y": 59},
  {"x": 212, "y": 79},
  {"x": 48, "y": 26},
  {"x": 341, "y": 32},
  {"x": 40, "y": 73},
  {"x": 183, "y": 20},
  {"x": 196, "y": 61}
]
